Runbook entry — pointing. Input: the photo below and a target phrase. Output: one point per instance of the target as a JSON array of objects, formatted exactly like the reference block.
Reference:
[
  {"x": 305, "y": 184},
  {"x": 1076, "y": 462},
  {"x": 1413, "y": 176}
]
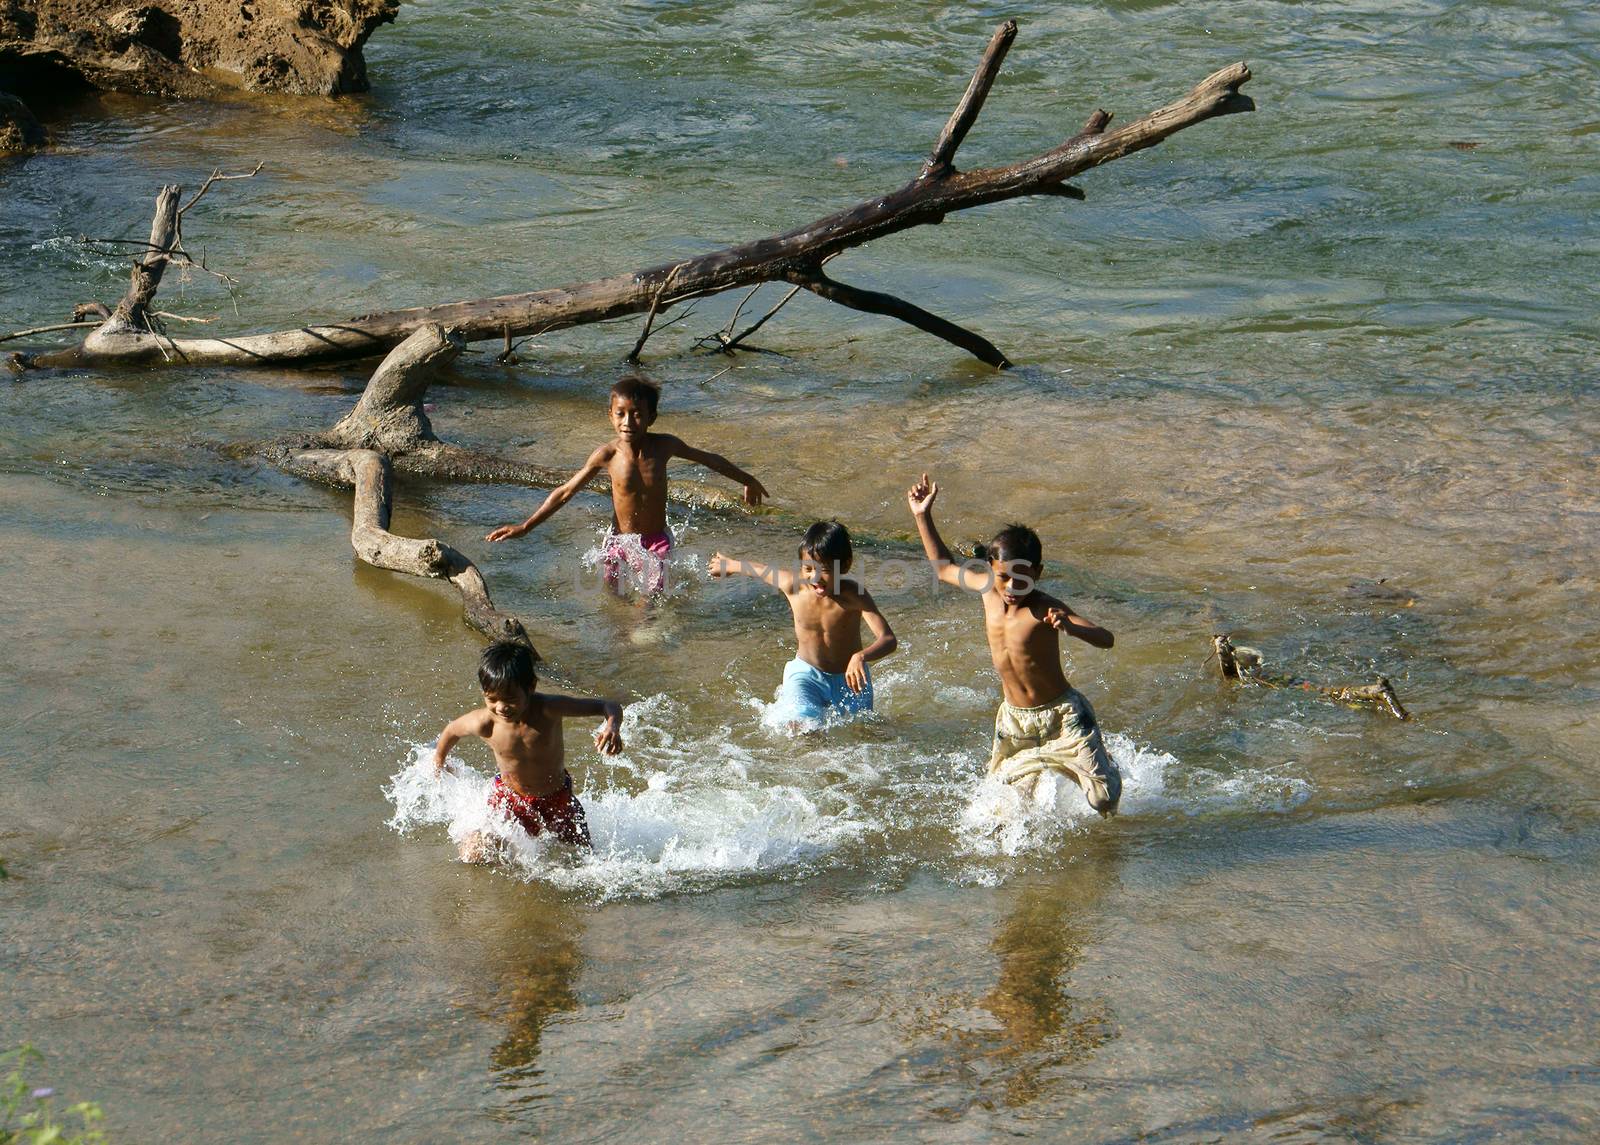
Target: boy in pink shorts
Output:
[{"x": 636, "y": 463}]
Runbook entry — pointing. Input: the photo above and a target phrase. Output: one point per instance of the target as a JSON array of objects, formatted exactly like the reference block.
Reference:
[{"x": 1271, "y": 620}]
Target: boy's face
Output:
[
  {"x": 507, "y": 703},
  {"x": 1014, "y": 580},
  {"x": 630, "y": 417},
  {"x": 819, "y": 575}
]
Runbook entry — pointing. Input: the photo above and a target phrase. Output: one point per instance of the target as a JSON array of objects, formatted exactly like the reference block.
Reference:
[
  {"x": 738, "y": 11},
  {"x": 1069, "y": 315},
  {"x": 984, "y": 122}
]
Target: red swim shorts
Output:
[{"x": 560, "y": 814}]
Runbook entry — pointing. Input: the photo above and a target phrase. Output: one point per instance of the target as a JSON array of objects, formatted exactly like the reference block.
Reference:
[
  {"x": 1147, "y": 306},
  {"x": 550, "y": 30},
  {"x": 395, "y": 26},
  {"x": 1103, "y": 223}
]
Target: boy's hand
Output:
[
  {"x": 720, "y": 565},
  {"x": 855, "y": 673},
  {"x": 506, "y": 532},
  {"x": 608, "y": 737},
  {"x": 754, "y": 493},
  {"x": 920, "y": 496},
  {"x": 1057, "y": 618}
]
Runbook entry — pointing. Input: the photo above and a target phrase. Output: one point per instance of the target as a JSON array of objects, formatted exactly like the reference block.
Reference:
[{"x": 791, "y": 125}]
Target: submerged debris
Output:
[{"x": 1237, "y": 662}]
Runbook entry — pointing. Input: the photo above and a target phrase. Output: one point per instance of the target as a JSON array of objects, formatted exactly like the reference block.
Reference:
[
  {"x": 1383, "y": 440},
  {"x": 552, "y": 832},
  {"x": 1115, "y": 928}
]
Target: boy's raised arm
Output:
[
  {"x": 921, "y": 497},
  {"x": 754, "y": 491},
  {"x": 778, "y": 578},
  {"x": 608, "y": 737},
  {"x": 558, "y": 497},
  {"x": 475, "y": 723}
]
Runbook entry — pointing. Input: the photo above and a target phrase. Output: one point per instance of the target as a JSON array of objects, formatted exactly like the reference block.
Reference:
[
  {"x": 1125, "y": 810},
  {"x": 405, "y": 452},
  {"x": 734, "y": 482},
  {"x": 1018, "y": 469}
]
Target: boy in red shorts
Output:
[
  {"x": 638, "y": 545},
  {"x": 523, "y": 728}
]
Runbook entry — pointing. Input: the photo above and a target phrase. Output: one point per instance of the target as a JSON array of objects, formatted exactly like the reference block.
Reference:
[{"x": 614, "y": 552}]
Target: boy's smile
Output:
[
  {"x": 510, "y": 704},
  {"x": 817, "y": 577}
]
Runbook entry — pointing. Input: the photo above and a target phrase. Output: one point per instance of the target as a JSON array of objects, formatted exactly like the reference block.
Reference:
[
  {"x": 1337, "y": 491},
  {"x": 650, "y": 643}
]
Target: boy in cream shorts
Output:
[{"x": 1044, "y": 726}]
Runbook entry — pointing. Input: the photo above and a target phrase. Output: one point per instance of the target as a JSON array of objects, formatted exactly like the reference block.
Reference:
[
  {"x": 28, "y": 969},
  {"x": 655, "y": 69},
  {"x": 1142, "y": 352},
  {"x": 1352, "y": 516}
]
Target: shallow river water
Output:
[{"x": 1324, "y": 377}]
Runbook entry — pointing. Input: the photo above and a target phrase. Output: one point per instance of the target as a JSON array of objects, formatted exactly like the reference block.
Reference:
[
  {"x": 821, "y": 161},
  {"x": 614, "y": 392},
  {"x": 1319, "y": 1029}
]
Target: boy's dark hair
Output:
[
  {"x": 506, "y": 662},
  {"x": 1014, "y": 543},
  {"x": 635, "y": 389},
  {"x": 828, "y": 541}
]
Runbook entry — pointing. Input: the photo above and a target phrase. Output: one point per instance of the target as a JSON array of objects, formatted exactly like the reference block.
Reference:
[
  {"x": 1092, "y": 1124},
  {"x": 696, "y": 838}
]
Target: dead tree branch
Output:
[
  {"x": 938, "y": 190},
  {"x": 1245, "y": 665},
  {"x": 367, "y": 472}
]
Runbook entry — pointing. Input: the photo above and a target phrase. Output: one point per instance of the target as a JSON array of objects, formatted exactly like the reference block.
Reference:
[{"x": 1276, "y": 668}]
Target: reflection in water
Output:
[
  {"x": 532, "y": 991},
  {"x": 1042, "y": 1025},
  {"x": 533, "y": 961},
  {"x": 1017, "y": 1037}
]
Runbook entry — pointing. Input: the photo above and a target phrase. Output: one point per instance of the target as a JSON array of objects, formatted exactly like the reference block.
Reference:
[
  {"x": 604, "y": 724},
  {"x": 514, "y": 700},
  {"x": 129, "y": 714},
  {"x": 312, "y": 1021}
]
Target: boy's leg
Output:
[{"x": 1080, "y": 750}]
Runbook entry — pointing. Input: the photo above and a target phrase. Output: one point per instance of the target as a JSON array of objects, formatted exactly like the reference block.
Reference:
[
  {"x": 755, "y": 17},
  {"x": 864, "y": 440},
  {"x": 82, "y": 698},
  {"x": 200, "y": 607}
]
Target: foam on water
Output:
[
  {"x": 686, "y": 809},
  {"x": 997, "y": 819}
]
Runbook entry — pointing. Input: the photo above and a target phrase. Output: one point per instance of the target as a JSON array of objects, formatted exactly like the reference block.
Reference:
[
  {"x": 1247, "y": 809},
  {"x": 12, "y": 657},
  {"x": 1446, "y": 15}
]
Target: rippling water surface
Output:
[{"x": 1324, "y": 376}]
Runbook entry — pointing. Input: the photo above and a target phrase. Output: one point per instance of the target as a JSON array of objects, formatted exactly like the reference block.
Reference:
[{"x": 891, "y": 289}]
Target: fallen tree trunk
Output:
[
  {"x": 389, "y": 418},
  {"x": 354, "y": 455},
  {"x": 367, "y": 472},
  {"x": 796, "y": 256}
]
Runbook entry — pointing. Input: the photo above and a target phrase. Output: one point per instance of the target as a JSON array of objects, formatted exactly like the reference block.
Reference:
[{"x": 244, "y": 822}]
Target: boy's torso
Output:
[
  {"x": 828, "y": 632},
  {"x": 639, "y": 486},
  {"x": 1026, "y": 651},
  {"x": 531, "y": 755}
]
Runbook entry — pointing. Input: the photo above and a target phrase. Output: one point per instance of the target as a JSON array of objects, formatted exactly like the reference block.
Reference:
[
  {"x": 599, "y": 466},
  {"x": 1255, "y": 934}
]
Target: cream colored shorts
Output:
[{"x": 1061, "y": 736}]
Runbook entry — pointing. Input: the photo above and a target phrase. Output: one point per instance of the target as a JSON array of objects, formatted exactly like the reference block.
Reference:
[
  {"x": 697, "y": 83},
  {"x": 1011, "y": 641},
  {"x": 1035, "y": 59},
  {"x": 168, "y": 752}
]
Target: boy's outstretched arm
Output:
[
  {"x": 754, "y": 491},
  {"x": 608, "y": 737},
  {"x": 559, "y": 496},
  {"x": 1061, "y": 617},
  {"x": 781, "y": 579},
  {"x": 476, "y": 723},
  {"x": 921, "y": 497},
  {"x": 885, "y": 642}
]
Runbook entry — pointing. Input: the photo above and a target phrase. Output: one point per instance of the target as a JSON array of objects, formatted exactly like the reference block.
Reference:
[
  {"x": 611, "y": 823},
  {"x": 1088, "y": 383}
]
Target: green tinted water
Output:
[{"x": 1278, "y": 360}]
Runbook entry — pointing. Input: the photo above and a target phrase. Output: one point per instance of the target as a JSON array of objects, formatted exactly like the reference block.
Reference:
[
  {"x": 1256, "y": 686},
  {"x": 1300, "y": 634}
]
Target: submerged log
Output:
[
  {"x": 353, "y": 455},
  {"x": 1246, "y": 665},
  {"x": 390, "y": 418},
  {"x": 367, "y": 472},
  {"x": 796, "y": 256}
]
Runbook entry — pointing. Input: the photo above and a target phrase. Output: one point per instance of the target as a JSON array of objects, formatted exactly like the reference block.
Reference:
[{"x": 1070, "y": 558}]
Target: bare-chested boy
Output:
[
  {"x": 636, "y": 462},
  {"x": 1044, "y": 723},
  {"x": 829, "y": 676},
  {"x": 523, "y": 728}
]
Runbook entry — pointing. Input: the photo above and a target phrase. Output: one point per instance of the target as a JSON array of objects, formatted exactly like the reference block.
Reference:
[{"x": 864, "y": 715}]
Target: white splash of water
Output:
[
  {"x": 691, "y": 807},
  {"x": 700, "y": 819},
  {"x": 997, "y": 819}
]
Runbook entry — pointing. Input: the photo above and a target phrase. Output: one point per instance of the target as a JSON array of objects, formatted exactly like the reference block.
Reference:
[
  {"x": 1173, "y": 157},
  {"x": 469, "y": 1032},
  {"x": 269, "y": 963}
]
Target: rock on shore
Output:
[{"x": 188, "y": 48}]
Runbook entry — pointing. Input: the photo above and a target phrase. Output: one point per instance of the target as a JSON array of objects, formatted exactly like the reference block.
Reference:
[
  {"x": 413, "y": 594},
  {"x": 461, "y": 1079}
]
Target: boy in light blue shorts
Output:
[{"x": 829, "y": 677}]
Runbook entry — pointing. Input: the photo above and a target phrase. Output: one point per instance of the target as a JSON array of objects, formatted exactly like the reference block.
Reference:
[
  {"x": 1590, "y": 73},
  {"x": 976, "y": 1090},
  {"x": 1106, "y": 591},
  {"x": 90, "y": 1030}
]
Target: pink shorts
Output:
[{"x": 641, "y": 558}]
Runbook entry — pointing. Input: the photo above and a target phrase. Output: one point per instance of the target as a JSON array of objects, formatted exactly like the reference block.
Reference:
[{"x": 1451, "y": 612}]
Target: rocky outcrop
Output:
[
  {"x": 19, "y": 130},
  {"x": 188, "y": 48}
]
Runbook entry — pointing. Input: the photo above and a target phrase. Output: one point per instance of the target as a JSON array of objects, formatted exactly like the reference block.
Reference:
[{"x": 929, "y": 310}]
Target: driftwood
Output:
[
  {"x": 795, "y": 257},
  {"x": 354, "y": 455},
  {"x": 389, "y": 430},
  {"x": 1246, "y": 666},
  {"x": 368, "y": 473},
  {"x": 390, "y": 419}
]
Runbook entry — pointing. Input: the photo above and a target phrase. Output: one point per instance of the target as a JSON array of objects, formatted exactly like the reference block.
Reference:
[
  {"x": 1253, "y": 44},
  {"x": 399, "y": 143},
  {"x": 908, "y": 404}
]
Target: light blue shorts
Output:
[{"x": 811, "y": 695}]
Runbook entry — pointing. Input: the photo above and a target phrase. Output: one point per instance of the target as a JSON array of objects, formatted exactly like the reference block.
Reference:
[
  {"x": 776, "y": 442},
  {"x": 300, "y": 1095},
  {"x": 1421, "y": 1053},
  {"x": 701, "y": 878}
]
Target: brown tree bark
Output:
[
  {"x": 795, "y": 256},
  {"x": 367, "y": 472}
]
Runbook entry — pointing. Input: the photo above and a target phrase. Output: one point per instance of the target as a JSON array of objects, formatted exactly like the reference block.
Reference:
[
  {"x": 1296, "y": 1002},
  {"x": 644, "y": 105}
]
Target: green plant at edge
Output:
[{"x": 26, "y": 1113}]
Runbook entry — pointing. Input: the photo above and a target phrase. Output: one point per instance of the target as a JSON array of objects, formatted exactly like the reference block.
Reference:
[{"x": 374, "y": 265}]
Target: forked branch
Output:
[{"x": 937, "y": 190}]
